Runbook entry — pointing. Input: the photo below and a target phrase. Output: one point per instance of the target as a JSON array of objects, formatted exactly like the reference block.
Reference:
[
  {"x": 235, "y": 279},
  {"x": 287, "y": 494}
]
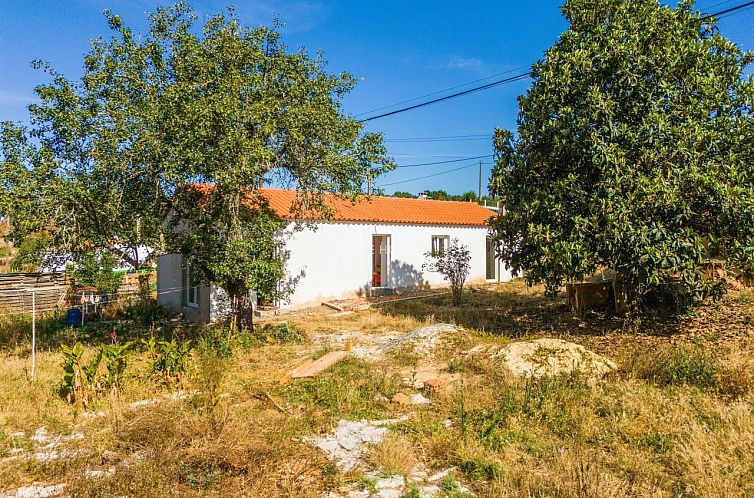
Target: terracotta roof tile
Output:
[{"x": 389, "y": 209}]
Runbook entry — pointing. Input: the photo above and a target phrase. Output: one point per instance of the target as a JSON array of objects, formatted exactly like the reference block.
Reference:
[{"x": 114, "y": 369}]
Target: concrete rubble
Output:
[
  {"x": 346, "y": 446},
  {"x": 36, "y": 491}
]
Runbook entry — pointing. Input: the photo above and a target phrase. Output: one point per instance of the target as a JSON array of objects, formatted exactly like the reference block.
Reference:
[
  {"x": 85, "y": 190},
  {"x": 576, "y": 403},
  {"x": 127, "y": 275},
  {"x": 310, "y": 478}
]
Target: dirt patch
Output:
[
  {"x": 549, "y": 357},
  {"x": 422, "y": 342}
]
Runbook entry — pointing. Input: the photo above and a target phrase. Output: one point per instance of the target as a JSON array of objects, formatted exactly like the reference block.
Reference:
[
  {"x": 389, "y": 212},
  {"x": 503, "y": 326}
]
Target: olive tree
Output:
[
  {"x": 107, "y": 160},
  {"x": 633, "y": 152}
]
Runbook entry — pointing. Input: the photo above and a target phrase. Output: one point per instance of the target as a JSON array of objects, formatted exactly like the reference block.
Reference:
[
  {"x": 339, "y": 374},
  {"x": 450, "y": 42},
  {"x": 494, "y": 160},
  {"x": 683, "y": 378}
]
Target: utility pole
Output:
[
  {"x": 480, "y": 181},
  {"x": 369, "y": 183},
  {"x": 33, "y": 334}
]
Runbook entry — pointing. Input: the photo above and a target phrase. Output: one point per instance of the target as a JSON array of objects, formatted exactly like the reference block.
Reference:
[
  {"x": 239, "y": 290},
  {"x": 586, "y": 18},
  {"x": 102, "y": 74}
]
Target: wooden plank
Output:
[
  {"x": 314, "y": 368},
  {"x": 333, "y": 306}
]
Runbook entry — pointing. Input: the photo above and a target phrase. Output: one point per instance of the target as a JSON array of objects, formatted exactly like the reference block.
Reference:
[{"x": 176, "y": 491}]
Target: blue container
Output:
[{"x": 73, "y": 317}]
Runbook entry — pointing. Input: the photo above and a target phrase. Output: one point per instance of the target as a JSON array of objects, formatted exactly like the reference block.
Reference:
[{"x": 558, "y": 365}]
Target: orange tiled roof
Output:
[{"x": 389, "y": 209}]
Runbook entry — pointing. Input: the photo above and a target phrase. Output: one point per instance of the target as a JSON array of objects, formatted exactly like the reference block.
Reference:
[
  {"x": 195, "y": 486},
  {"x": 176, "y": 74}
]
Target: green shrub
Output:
[
  {"x": 169, "y": 357},
  {"x": 280, "y": 333},
  {"x": 83, "y": 380},
  {"x": 476, "y": 469},
  {"x": 675, "y": 366}
]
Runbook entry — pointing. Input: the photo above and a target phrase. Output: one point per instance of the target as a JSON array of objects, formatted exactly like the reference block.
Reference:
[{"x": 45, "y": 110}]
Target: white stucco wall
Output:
[{"x": 335, "y": 258}]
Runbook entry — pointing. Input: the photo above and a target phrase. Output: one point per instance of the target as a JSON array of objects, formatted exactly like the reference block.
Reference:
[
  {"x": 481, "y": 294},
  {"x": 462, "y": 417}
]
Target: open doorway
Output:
[
  {"x": 380, "y": 260},
  {"x": 491, "y": 259}
]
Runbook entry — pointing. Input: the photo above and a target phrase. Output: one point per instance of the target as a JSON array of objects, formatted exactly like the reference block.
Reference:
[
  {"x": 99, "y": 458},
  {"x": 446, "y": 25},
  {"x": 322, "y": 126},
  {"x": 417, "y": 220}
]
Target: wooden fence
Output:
[
  {"x": 16, "y": 290},
  {"x": 52, "y": 289}
]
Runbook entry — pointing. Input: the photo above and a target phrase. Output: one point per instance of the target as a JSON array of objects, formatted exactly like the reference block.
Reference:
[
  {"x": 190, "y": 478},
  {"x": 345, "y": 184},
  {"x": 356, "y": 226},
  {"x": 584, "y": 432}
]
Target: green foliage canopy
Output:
[
  {"x": 633, "y": 152},
  {"x": 104, "y": 164}
]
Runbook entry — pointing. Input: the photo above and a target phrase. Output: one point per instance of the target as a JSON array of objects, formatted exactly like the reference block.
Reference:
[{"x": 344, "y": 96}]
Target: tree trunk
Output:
[{"x": 241, "y": 308}]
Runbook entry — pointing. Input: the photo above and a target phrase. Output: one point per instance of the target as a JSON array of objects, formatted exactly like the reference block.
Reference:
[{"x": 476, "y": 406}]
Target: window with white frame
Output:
[
  {"x": 439, "y": 244},
  {"x": 190, "y": 287}
]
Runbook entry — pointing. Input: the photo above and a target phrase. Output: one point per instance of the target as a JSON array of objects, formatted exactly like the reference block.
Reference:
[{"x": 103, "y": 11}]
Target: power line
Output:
[
  {"x": 458, "y": 138},
  {"x": 517, "y": 77},
  {"x": 444, "y": 162},
  {"x": 441, "y": 91},
  {"x": 728, "y": 11},
  {"x": 430, "y": 176}
]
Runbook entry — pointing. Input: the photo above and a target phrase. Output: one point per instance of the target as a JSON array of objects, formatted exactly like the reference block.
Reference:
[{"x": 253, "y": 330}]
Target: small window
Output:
[
  {"x": 439, "y": 244},
  {"x": 190, "y": 287}
]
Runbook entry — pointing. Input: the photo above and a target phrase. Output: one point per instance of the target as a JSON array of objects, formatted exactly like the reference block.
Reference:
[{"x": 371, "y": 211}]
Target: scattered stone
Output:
[
  {"x": 135, "y": 457},
  {"x": 347, "y": 443},
  {"x": 390, "y": 487},
  {"x": 401, "y": 399},
  {"x": 53, "y": 454},
  {"x": 17, "y": 435},
  {"x": 440, "y": 475},
  {"x": 109, "y": 456},
  {"x": 424, "y": 340},
  {"x": 41, "y": 436},
  {"x": 419, "y": 399},
  {"x": 371, "y": 347},
  {"x": 99, "y": 474},
  {"x": 36, "y": 491}
]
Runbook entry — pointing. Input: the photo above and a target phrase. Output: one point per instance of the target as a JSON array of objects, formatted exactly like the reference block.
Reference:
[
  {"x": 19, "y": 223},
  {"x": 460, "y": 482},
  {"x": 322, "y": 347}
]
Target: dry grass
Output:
[
  {"x": 675, "y": 420},
  {"x": 396, "y": 455}
]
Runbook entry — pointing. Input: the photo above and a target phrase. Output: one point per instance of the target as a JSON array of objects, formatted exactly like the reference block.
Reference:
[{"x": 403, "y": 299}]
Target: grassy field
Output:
[{"x": 223, "y": 419}]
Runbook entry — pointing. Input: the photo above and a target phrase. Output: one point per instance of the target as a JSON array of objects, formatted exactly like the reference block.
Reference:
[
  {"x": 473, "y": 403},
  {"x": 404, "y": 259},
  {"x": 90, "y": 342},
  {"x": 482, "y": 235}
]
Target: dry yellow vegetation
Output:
[{"x": 675, "y": 418}]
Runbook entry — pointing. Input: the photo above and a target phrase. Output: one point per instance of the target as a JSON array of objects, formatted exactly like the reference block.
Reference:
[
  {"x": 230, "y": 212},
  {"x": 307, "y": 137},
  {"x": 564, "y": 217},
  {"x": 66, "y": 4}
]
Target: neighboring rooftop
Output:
[{"x": 389, "y": 209}]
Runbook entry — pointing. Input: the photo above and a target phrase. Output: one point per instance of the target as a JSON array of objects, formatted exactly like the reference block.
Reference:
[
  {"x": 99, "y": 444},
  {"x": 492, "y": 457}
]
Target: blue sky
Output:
[{"x": 398, "y": 50}]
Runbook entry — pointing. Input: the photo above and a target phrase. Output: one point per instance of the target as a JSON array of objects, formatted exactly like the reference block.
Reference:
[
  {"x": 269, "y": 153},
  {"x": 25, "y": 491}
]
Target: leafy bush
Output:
[
  {"x": 95, "y": 269},
  {"x": 78, "y": 376},
  {"x": 282, "y": 333},
  {"x": 169, "y": 357},
  {"x": 454, "y": 265},
  {"x": 145, "y": 312},
  {"x": 83, "y": 380},
  {"x": 681, "y": 366}
]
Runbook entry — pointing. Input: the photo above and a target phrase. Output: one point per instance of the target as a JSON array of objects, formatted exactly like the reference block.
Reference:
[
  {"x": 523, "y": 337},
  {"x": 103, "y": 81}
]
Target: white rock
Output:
[
  {"x": 419, "y": 399},
  {"x": 36, "y": 491},
  {"x": 41, "y": 436},
  {"x": 99, "y": 474},
  {"x": 440, "y": 475},
  {"x": 347, "y": 443},
  {"x": 390, "y": 487}
]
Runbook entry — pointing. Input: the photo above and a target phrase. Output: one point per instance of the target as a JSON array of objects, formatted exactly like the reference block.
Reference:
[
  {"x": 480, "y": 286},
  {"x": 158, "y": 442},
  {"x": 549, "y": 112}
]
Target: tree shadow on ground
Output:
[{"x": 514, "y": 310}]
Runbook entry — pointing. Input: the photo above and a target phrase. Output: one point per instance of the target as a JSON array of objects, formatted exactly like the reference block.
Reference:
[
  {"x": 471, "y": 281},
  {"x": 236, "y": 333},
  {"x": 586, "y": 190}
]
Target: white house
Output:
[{"x": 373, "y": 246}]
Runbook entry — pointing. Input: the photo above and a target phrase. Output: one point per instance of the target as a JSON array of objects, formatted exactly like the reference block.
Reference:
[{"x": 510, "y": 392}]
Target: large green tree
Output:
[
  {"x": 633, "y": 153},
  {"x": 186, "y": 105}
]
